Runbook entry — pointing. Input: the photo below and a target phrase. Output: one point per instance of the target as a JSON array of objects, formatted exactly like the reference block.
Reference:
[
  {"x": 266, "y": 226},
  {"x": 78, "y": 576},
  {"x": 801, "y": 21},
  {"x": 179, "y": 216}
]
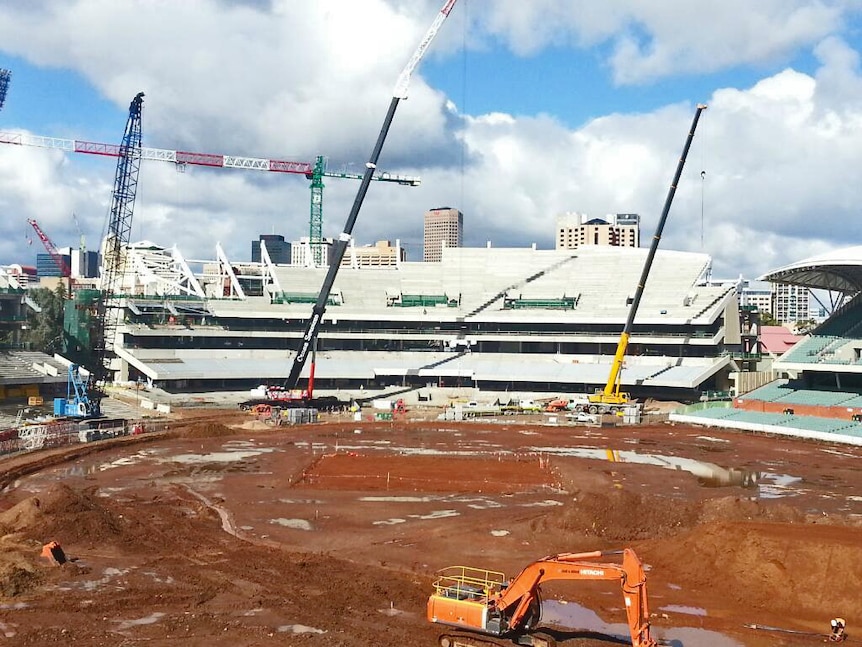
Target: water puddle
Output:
[
  {"x": 300, "y": 629},
  {"x": 568, "y": 615},
  {"x": 148, "y": 620},
  {"x": 679, "y": 608},
  {"x": 768, "y": 485},
  {"x": 296, "y": 524}
]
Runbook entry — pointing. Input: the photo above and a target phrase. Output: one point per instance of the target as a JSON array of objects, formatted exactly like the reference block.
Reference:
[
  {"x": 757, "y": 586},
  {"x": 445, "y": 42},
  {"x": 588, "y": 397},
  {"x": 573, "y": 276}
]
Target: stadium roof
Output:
[{"x": 839, "y": 270}]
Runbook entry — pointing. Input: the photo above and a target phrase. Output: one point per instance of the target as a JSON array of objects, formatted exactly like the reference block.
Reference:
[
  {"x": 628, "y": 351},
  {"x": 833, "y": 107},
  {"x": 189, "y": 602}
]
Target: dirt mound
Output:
[
  {"x": 733, "y": 508},
  {"x": 207, "y": 429},
  {"x": 73, "y": 516},
  {"x": 767, "y": 567},
  {"x": 625, "y": 516},
  {"x": 20, "y": 516}
]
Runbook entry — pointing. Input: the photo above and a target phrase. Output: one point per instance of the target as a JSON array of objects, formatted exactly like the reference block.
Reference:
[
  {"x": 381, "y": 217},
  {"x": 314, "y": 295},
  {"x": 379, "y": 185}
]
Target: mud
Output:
[{"x": 224, "y": 533}]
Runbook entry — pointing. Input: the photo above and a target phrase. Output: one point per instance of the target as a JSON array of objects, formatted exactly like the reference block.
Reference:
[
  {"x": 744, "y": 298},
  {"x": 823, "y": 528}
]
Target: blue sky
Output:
[{"x": 520, "y": 112}]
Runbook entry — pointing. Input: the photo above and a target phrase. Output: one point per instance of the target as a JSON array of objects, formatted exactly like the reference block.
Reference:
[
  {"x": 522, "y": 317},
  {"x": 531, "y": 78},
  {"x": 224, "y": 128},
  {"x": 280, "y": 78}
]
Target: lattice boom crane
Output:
[{"x": 5, "y": 76}]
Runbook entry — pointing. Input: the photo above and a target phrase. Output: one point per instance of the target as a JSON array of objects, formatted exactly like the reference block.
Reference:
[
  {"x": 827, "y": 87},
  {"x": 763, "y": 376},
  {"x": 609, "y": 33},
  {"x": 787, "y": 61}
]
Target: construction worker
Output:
[{"x": 838, "y": 635}]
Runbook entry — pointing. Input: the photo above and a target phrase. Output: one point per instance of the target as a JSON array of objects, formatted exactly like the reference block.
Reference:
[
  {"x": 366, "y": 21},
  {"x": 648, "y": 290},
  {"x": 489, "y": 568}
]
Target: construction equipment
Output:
[
  {"x": 116, "y": 241},
  {"x": 5, "y": 77},
  {"x": 54, "y": 553},
  {"x": 309, "y": 337},
  {"x": 77, "y": 402},
  {"x": 487, "y": 604},
  {"x": 611, "y": 399},
  {"x": 56, "y": 256},
  {"x": 314, "y": 172}
]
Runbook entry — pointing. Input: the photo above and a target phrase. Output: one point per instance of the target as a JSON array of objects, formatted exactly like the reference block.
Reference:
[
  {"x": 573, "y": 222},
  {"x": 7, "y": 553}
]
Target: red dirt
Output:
[{"x": 218, "y": 536}]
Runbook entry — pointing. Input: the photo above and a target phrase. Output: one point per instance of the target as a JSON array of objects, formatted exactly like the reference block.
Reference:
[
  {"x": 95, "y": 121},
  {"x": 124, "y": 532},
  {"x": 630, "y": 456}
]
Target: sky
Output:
[{"x": 519, "y": 112}]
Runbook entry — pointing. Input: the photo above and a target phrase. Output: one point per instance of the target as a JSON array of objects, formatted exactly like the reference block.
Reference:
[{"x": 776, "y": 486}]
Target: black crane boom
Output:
[{"x": 309, "y": 337}]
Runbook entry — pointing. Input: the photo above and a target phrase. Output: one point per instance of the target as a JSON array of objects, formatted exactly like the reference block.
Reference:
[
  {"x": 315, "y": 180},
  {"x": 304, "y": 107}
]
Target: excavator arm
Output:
[{"x": 482, "y": 601}]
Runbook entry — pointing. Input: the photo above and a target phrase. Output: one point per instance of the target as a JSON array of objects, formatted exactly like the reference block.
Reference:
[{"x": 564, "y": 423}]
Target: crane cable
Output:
[{"x": 702, "y": 193}]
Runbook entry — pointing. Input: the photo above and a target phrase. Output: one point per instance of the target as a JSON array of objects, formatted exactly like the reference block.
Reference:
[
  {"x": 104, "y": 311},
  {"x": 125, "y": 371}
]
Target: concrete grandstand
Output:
[
  {"x": 818, "y": 387},
  {"x": 496, "y": 319}
]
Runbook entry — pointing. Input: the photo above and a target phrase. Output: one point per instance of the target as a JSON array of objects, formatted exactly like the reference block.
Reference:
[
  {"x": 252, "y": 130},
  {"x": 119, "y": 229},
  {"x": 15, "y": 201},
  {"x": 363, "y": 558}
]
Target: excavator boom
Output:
[{"x": 487, "y": 603}]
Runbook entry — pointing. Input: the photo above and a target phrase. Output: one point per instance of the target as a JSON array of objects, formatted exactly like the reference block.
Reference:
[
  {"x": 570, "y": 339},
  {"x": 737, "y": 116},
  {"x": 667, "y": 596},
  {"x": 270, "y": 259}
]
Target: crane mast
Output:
[
  {"x": 117, "y": 238},
  {"x": 309, "y": 337},
  {"x": 611, "y": 396}
]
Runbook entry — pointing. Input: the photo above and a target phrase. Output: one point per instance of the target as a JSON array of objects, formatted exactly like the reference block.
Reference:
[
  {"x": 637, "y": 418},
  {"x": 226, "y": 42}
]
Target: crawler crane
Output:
[
  {"x": 611, "y": 398},
  {"x": 488, "y": 606}
]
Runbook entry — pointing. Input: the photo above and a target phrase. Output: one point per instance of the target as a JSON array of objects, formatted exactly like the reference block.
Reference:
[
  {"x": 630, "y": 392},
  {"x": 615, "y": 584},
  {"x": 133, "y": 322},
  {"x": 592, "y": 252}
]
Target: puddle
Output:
[
  {"x": 148, "y": 620},
  {"x": 216, "y": 457},
  {"x": 547, "y": 503},
  {"x": 92, "y": 585},
  {"x": 708, "y": 474},
  {"x": 499, "y": 533},
  {"x": 569, "y": 615},
  {"x": 778, "y": 485},
  {"x": 476, "y": 503},
  {"x": 296, "y": 524},
  {"x": 678, "y": 608},
  {"x": 300, "y": 629}
]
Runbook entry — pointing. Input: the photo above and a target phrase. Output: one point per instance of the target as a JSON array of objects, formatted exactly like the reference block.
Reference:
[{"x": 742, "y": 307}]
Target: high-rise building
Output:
[
  {"x": 381, "y": 254},
  {"x": 577, "y": 229},
  {"x": 442, "y": 225},
  {"x": 85, "y": 264},
  {"x": 45, "y": 265},
  {"x": 757, "y": 294},
  {"x": 301, "y": 252},
  {"x": 792, "y": 303},
  {"x": 276, "y": 246}
]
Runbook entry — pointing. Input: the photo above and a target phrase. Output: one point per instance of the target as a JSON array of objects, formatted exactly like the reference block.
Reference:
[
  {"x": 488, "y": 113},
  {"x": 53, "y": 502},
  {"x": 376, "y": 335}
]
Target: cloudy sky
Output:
[{"x": 521, "y": 111}]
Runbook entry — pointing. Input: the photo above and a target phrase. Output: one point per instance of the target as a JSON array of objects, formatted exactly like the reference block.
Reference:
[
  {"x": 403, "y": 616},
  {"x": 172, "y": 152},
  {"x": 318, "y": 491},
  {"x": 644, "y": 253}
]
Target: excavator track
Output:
[{"x": 466, "y": 639}]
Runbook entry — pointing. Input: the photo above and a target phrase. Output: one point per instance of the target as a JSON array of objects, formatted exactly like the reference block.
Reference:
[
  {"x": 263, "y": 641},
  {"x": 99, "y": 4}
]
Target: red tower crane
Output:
[{"x": 61, "y": 263}]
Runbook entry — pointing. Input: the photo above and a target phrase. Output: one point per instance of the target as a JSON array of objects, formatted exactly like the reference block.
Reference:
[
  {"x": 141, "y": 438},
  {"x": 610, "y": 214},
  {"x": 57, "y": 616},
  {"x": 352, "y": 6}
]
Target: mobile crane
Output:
[
  {"x": 489, "y": 606},
  {"x": 308, "y": 340},
  {"x": 611, "y": 399}
]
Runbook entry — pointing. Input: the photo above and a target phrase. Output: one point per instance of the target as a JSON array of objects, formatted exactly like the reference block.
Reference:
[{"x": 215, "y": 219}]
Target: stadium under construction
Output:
[{"x": 498, "y": 319}]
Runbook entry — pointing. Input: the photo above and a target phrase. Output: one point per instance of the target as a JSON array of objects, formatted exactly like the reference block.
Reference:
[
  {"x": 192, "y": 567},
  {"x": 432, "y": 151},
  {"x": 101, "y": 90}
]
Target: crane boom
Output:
[
  {"x": 309, "y": 337},
  {"x": 117, "y": 238},
  {"x": 5, "y": 76},
  {"x": 212, "y": 160},
  {"x": 611, "y": 394},
  {"x": 57, "y": 257},
  {"x": 313, "y": 171}
]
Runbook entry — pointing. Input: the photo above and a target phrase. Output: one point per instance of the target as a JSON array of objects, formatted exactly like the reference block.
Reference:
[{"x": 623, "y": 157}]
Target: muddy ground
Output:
[{"x": 227, "y": 532}]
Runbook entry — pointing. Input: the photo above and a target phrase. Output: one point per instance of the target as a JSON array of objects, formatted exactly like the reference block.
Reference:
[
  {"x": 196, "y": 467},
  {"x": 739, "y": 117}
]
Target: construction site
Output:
[
  {"x": 224, "y": 530},
  {"x": 499, "y": 448}
]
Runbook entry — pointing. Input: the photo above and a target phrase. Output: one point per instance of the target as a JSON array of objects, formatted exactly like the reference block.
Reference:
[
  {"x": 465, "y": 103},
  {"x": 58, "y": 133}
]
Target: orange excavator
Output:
[{"x": 485, "y": 603}]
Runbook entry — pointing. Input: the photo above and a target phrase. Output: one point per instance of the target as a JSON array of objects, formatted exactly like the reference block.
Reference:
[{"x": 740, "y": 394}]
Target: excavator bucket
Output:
[{"x": 53, "y": 552}]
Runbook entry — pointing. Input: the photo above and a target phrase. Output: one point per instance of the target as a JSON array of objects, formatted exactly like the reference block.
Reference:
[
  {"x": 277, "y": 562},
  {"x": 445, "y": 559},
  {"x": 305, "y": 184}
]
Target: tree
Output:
[
  {"x": 45, "y": 327},
  {"x": 806, "y": 326},
  {"x": 766, "y": 319}
]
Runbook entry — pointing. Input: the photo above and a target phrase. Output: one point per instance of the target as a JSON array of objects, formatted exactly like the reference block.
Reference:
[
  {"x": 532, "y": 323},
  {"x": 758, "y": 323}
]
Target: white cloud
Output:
[
  {"x": 301, "y": 79},
  {"x": 650, "y": 40}
]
